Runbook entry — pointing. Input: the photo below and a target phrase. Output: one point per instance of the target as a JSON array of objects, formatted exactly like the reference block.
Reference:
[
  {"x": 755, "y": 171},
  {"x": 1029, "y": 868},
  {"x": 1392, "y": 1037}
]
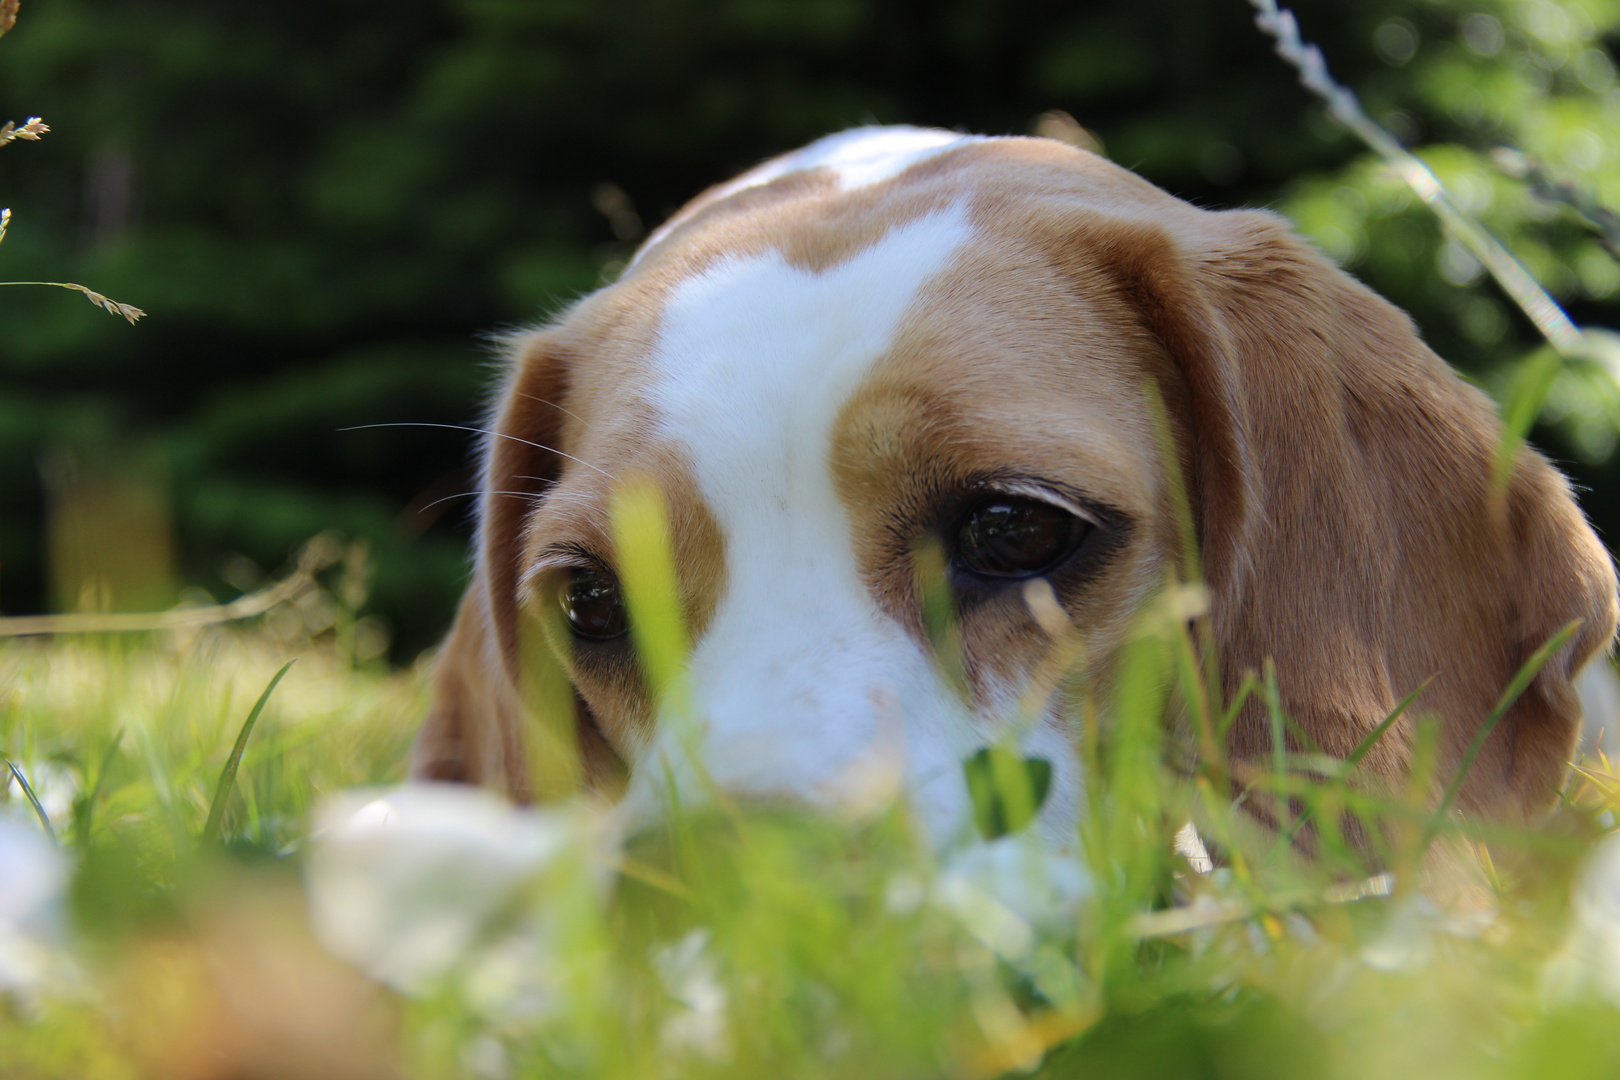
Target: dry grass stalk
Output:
[
  {"x": 1510, "y": 274},
  {"x": 313, "y": 559},
  {"x": 128, "y": 311},
  {"x": 31, "y": 130}
]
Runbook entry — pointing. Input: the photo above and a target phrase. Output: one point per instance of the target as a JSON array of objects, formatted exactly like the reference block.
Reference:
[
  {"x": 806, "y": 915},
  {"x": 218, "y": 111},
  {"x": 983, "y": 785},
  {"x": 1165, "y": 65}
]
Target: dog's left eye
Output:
[
  {"x": 1009, "y": 537},
  {"x": 594, "y": 605}
]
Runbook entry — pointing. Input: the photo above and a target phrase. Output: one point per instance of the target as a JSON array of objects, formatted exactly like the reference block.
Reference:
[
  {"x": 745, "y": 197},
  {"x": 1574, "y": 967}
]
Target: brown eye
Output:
[
  {"x": 1005, "y": 536},
  {"x": 594, "y": 605}
]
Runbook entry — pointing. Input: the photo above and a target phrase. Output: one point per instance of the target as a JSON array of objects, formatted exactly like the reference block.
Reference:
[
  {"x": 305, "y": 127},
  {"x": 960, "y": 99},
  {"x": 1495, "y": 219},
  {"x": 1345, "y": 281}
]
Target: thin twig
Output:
[{"x": 284, "y": 591}]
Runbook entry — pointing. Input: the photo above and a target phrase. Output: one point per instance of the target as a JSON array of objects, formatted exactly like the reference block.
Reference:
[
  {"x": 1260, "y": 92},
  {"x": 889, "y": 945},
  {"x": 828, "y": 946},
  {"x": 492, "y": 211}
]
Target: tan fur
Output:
[{"x": 1340, "y": 473}]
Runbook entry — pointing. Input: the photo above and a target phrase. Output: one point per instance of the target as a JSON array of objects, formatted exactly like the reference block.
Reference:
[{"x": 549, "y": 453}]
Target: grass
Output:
[{"x": 538, "y": 943}]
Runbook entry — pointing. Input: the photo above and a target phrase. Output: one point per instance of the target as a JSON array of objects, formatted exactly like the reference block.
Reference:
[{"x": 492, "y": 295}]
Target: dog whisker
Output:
[
  {"x": 481, "y": 431},
  {"x": 552, "y": 404},
  {"x": 473, "y": 494},
  {"x": 583, "y": 501}
]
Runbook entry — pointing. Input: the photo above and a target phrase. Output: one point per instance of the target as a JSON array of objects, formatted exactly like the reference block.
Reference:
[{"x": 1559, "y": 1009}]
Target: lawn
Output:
[{"x": 339, "y": 925}]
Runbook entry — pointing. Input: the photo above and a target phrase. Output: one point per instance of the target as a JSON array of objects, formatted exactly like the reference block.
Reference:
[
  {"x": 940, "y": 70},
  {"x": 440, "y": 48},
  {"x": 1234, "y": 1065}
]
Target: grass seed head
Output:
[{"x": 31, "y": 130}]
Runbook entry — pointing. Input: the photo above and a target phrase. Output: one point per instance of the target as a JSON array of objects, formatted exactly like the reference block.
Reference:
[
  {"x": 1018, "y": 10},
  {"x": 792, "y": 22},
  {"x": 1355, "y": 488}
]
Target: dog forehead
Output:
[
  {"x": 853, "y": 159},
  {"x": 755, "y": 356},
  {"x": 874, "y": 252}
]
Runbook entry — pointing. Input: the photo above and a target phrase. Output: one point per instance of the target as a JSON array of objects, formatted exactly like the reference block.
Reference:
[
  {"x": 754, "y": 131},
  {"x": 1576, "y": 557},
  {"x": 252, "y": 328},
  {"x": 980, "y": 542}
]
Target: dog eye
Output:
[
  {"x": 1005, "y": 536},
  {"x": 594, "y": 605}
]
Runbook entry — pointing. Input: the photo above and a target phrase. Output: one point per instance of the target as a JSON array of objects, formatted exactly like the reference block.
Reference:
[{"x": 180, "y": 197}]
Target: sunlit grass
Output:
[{"x": 740, "y": 944}]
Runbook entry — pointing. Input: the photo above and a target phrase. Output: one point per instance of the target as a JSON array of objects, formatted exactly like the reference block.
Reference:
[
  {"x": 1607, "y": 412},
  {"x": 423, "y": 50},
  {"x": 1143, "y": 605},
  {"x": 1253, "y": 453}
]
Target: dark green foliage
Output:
[
  {"x": 1007, "y": 790},
  {"x": 324, "y": 207},
  {"x": 1191, "y": 1039}
]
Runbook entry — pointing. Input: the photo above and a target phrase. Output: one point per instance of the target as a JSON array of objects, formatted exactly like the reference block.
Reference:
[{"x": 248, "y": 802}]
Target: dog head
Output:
[{"x": 897, "y": 340}]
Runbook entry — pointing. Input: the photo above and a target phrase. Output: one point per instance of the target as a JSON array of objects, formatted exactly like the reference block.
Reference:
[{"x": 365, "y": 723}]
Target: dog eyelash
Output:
[
  {"x": 1041, "y": 493},
  {"x": 563, "y": 557}
]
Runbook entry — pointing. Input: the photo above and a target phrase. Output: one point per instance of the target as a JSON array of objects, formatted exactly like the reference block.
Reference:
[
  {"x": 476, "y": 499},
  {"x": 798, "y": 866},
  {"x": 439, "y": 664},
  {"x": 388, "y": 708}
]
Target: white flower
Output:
[
  {"x": 1010, "y": 891},
  {"x": 1590, "y": 959},
  {"x": 430, "y": 882},
  {"x": 32, "y": 876},
  {"x": 689, "y": 973}
]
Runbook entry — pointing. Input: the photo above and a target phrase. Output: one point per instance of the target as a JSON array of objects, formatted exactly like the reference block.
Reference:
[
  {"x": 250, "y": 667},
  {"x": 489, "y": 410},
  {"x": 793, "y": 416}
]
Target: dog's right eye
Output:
[
  {"x": 594, "y": 605},
  {"x": 1013, "y": 537}
]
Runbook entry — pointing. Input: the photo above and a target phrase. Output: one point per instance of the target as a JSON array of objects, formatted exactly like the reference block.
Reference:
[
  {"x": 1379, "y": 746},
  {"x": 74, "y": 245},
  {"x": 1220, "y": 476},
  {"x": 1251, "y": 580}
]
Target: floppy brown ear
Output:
[
  {"x": 475, "y": 731},
  {"x": 1342, "y": 489}
]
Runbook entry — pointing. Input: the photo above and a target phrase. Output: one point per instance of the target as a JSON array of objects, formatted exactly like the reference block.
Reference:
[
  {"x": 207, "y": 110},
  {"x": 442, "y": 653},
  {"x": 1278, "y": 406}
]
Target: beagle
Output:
[{"x": 898, "y": 337}]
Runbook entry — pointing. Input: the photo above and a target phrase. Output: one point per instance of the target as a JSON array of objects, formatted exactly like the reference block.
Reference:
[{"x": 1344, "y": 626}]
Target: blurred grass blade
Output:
[
  {"x": 33, "y": 800},
  {"x": 939, "y": 616},
  {"x": 1532, "y": 667},
  {"x": 642, "y": 539},
  {"x": 1363, "y": 748},
  {"x": 227, "y": 775},
  {"x": 1192, "y": 570},
  {"x": 1281, "y": 808},
  {"x": 84, "y": 808},
  {"x": 551, "y": 724},
  {"x": 1528, "y": 393},
  {"x": 1245, "y": 689}
]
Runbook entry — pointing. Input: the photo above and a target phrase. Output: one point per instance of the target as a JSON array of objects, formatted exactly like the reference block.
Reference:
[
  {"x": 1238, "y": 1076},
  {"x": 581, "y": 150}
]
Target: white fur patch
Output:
[
  {"x": 805, "y": 687},
  {"x": 860, "y": 156}
]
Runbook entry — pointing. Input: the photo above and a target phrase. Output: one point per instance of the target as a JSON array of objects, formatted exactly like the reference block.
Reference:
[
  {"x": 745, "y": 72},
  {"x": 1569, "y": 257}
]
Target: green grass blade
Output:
[
  {"x": 1364, "y": 747},
  {"x": 1279, "y": 744},
  {"x": 1531, "y": 385},
  {"x": 1006, "y": 789},
  {"x": 84, "y": 808},
  {"x": 1532, "y": 667},
  {"x": 33, "y": 800},
  {"x": 646, "y": 556},
  {"x": 1192, "y": 569},
  {"x": 227, "y": 775},
  {"x": 1244, "y": 691}
]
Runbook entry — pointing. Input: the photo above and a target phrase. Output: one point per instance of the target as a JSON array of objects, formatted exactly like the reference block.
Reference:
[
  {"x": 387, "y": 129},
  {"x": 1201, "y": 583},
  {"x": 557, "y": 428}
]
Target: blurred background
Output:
[{"x": 328, "y": 208}]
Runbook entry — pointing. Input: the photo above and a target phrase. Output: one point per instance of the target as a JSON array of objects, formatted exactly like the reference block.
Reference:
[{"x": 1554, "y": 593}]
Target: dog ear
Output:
[
  {"x": 475, "y": 729},
  {"x": 1342, "y": 488}
]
